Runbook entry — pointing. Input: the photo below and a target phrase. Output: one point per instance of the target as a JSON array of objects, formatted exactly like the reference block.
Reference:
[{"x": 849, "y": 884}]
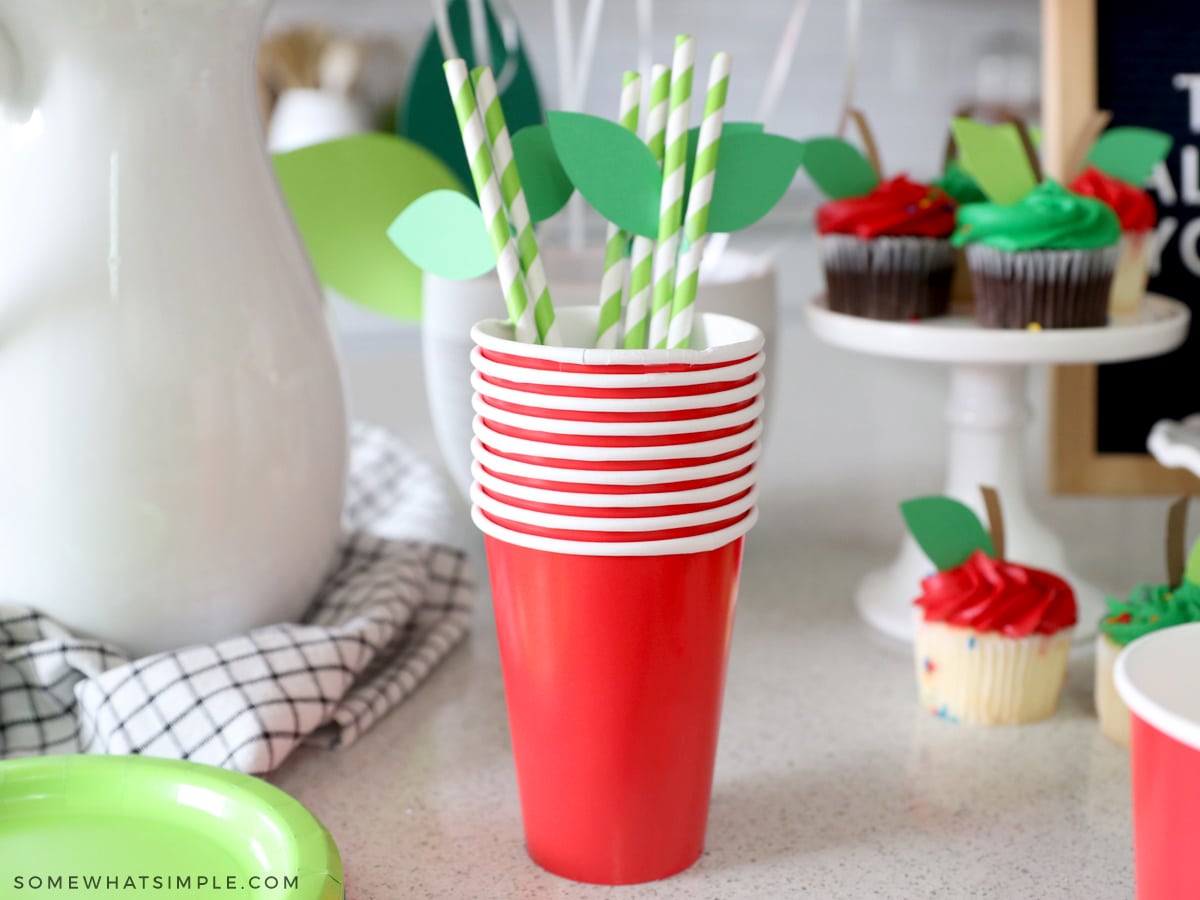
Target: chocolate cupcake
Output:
[
  {"x": 887, "y": 254},
  {"x": 1045, "y": 261}
]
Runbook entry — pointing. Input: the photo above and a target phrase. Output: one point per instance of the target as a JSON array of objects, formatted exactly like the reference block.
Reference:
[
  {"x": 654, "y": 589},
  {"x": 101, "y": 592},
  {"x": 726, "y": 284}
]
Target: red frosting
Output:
[
  {"x": 1132, "y": 205},
  {"x": 896, "y": 208},
  {"x": 992, "y": 595}
]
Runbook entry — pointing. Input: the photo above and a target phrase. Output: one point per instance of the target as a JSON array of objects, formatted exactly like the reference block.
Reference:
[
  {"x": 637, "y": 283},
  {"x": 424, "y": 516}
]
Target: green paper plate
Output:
[{"x": 135, "y": 817}]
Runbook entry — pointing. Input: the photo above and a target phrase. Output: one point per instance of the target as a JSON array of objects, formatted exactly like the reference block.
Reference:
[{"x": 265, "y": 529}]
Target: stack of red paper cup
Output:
[{"x": 614, "y": 488}]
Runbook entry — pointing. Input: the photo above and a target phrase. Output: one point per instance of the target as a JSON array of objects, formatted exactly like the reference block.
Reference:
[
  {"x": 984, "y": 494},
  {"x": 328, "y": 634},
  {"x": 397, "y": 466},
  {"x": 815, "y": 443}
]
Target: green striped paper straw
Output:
[
  {"x": 641, "y": 277},
  {"x": 616, "y": 264},
  {"x": 670, "y": 208},
  {"x": 695, "y": 228},
  {"x": 514, "y": 201},
  {"x": 487, "y": 186}
]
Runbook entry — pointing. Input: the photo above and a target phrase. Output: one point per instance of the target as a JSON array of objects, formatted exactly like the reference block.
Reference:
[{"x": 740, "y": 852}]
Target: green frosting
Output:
[
  {"x": 958, "y": 184},
  {"x": 1149, "y": 608},
  {"x": 1047, "y": 218}
]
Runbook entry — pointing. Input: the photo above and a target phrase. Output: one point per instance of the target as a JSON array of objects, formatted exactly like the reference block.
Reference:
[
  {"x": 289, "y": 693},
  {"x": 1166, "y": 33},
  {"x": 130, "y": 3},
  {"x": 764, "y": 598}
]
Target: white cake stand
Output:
[{"x": 987, "y": 415}]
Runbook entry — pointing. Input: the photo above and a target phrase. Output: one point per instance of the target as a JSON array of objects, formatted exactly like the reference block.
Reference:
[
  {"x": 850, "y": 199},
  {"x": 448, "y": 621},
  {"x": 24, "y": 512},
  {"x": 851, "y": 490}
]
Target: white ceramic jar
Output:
[{"x": 173, "y": 450}]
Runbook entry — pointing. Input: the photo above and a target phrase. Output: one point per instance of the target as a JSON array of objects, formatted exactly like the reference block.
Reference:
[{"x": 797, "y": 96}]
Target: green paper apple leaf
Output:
[
  {"x": 727, "y": 130},
  {"x": 995, "y": 157},
  {"x": 614, "y": 171},
  {"x": 427, "y": 114},
  {"x": 443, "y": 233},
  {"x": 547, "y": 187},
  {"x": 838, "y": 168},
  {"x": 343, "y": 196},
  {"x": 1192, "y": 571},
  {"x": 1130, "y": 153},
  {"x": 947, "y": 530},
  {"x": 753, "y": 172}
]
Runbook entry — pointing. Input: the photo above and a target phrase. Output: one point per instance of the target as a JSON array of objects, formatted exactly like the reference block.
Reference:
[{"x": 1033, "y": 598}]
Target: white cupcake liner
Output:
[
  {"x": 1111, "y": 709},
  {"x": 887, "y": 277},
  {"x": 986, "y": 678},
  {"x": 1050, "y": 288}
]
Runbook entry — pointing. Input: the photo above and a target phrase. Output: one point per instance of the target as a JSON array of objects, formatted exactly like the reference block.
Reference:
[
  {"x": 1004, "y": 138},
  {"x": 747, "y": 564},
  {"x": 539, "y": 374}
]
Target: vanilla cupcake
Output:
[
  {"x": 1150, "y": 607},
  {"x": 993, "y": 638}
]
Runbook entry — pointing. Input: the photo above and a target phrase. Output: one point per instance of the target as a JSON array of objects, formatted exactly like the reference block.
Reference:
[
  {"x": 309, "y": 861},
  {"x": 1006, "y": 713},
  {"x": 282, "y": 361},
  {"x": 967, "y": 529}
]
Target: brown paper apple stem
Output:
[
  {"x": 991, "y": 500},
  {"x": 868, "y": 138},
  {"x": 1092, "y": 129},
  {"x": 1176, "y": 526}
]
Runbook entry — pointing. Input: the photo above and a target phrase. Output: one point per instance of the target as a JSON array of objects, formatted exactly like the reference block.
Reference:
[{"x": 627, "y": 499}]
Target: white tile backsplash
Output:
[{"x": 919, "y": 58}]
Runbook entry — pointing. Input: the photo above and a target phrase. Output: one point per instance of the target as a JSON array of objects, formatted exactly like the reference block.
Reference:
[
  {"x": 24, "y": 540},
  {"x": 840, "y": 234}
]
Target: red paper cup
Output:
[
  {"x": 646, "y": 409},
  {"x": 719, "y": 341},
  {"x": 616, "y": 482},
  {"x": 563, "y": 500},
  {"x": 632, "y": 434},
  {"x": 614, "y": 729},
  {"x": 1157, "y": 677},
  {"x": 655, "y": 519},
  {"x": 637, "y": 385},
  {"x": 593, "y": 456}
]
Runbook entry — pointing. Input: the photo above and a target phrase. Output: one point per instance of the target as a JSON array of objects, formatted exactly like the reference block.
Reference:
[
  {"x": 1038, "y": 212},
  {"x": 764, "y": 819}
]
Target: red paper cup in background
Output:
[
  {"x": 1158, "y": 677},
  {"x": 614, "y": 669}
]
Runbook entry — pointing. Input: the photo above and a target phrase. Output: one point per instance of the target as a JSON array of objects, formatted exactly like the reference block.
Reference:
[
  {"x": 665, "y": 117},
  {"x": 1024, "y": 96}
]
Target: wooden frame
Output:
[{"x": 1068, "y": 101}]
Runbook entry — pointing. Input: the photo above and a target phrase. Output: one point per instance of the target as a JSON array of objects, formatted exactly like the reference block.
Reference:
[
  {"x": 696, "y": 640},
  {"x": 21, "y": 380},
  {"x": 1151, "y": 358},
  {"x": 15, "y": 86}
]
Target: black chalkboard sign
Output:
[{"x": 1148, "y": 73}]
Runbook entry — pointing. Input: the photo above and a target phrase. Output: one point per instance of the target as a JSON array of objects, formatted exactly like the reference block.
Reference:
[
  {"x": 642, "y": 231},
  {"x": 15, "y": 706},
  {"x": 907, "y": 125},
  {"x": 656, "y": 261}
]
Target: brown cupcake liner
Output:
[
  {"x": 893, "y": 278},
  {"x": 1047, "y": 288}
]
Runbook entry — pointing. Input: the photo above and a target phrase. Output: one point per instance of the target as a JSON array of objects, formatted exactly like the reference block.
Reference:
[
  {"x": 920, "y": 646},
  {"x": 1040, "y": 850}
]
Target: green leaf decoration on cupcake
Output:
[
  {"x": 838, "y": 168},
  {"x": 547, "y": 187},
  {"x": 947, "y": 531},
  {"x": 610, "y": 166},
  {"x": 619, "y": 177},
  {"x": 995, "y": 156},
  {"x": 420, "y": 233},
  {"x": 1129, "y": 153},
  {"x": 754, "y": 170}
]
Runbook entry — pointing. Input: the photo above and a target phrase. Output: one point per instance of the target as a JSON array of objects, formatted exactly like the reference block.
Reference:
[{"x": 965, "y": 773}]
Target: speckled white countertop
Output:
[{"x": 830, "y": 781}]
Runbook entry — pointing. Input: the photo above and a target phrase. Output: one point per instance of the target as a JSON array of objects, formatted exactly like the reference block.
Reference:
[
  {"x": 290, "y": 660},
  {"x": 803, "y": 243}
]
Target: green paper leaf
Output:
[
  {"x": 838, "y": 168},
  {"x": 1130, "y": 153},
  {"x": 947, "y": 530},
  {"x": 343, "y": 195},
  {"x": 727, "y": 131},
  {"x": 1192, "y": 571},
  {"x": 427, "y": 116},
  {"x": 753, "y": 172},
  {"x": 443, "y": 233},
  {"x": 547, "y": 187},
  {"x": 995, "y": 157},
  {"x": 614, "y": 171}
]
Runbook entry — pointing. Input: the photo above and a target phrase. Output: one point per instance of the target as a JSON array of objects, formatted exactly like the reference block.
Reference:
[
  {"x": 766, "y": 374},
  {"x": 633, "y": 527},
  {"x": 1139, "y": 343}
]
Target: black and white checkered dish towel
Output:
[{"x": 397, "y": 601}]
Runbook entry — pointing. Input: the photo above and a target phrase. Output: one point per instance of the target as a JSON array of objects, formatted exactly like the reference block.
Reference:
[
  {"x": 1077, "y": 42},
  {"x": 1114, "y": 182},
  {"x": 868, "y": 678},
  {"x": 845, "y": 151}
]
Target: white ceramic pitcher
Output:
[{"x": 172, "y": 423}]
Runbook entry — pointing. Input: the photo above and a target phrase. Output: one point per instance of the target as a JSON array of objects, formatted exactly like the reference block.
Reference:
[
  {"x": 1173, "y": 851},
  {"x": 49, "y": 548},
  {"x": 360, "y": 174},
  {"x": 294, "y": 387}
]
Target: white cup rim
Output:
[
  {"x": 557, "y": 378},
  {"x": 620, "y": 524},
  {"x": 731, "y": 338},
  {"x": 605, "y": 477},
  {"x": 582, "y": 427},
  {"x": 590, "y": 453},
  {"x": 700, "y": 543},
  {"x": 619, "y": 501},
  {"x": 1170, "y": 649},
  {"x": 618, "y": 404}
]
